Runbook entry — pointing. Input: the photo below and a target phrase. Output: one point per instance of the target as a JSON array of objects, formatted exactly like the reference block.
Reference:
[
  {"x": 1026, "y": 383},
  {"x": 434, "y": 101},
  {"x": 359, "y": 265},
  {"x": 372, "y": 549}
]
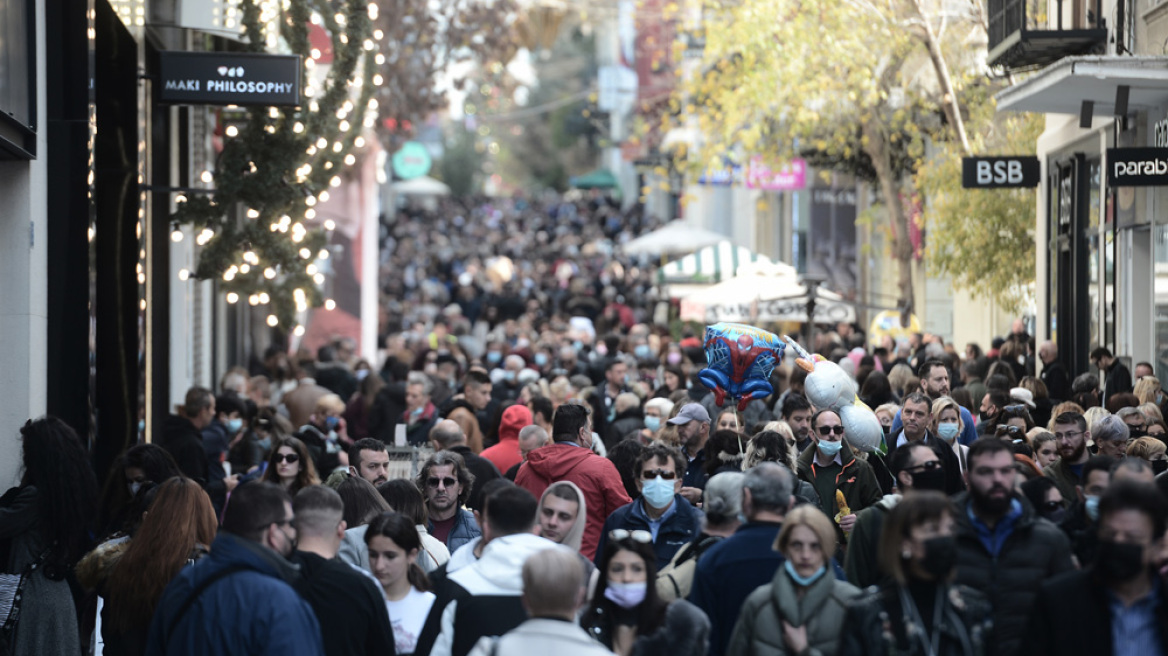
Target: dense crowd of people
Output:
[{"x": 578, "y": 491}]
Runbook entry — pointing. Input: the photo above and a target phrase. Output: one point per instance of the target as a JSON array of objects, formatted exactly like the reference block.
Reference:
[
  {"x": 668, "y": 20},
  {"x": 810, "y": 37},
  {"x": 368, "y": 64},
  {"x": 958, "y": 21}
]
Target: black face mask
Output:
[
  {"x": 929, "y": 479},
  {"x": 985, "y": 416},
  {"x": 1119, "y": 562},
  {"x": 940, "y": 556},
  {"x": 1159, "y": 466},
  {"x": 1056, "y": 516}
]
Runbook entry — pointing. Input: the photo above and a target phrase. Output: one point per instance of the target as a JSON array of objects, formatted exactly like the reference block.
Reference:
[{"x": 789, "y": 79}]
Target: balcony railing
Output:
[{"x": 1034, "y": 33}]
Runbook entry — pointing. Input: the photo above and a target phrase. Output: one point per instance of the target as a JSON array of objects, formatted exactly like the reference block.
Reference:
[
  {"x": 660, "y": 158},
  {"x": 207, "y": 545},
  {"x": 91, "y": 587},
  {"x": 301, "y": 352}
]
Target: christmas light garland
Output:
[{"x": 281, "y": 162}]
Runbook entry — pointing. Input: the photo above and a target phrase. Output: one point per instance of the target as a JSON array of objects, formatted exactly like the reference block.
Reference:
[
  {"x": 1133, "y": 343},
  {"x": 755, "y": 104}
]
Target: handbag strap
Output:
[{"x": 196, "y": 593}]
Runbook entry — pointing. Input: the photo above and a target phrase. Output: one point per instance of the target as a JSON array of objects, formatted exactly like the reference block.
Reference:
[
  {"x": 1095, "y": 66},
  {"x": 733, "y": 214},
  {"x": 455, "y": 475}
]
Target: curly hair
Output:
[
  {"x": 56, "y": 463},
  {"x": 442, "y": 459}
]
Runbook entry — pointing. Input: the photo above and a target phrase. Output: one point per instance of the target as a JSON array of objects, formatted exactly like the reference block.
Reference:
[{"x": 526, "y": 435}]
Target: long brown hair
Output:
[
  {"x": 307, "y": 474},
  {"x": 180, "y": 518}
]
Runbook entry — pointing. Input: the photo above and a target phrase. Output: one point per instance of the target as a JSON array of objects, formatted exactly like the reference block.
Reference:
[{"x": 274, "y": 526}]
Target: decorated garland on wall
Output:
[{"x": 281, "y": 162}]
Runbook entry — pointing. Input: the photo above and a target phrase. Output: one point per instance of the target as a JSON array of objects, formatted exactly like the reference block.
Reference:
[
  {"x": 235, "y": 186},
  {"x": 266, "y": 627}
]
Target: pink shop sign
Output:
[{"x": 791, "y": 177}]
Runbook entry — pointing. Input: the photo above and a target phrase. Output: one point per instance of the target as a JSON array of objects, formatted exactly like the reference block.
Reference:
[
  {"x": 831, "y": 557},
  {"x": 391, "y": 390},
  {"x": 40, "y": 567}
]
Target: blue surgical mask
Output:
[
  {"x": 141, "y": 425},
  {"x": 830, "y": 449},
  {"x": 134, "y": 487},
  {"x": 265, "y": 443},
  {"x": 653, "y": 423},
  {"x": 804, "y": 581},
  {"x": 332, "y": 422},
  {"x": 509, "y": 376},
  {"x": 233, "y": 425},
  {"x": 1092, "y": 507},
  {"x": 541, "y": 359},
  {"x": 643, "y": 351},
  {"x": 494, "y": 357},
  {"x": 577, "y": 345},
  {"x": 658, "y": 492},
  {"x": 947, "y": 431},
  {"x": 625, "y": 595}
]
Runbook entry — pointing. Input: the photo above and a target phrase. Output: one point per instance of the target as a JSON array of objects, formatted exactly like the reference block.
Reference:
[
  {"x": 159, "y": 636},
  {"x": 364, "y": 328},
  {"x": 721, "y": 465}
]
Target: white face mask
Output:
[{"x": 134, "y": 487}]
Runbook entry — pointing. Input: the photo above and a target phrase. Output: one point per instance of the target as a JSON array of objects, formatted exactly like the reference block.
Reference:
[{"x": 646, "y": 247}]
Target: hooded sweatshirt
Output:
[
  {"x": 596, "y": 477},
  {"x": 505, "y": 454},
  {"x": 576, "y": 534},
  {"x": 487, "y": 599}
]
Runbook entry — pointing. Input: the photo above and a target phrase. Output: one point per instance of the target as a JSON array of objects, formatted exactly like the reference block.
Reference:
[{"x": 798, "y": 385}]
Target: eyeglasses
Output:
[
  {"x": 1070, "y": 435},
  {"x": 1015, "y": 431},
  {"x": 1052, "y": 506},
  {"x": 286, "y": 457},
  {"x": 925, "y": 466},
  {"x": 650, "y": 474},
  {"x": 644, "y": 537},
  {"x": 1016, "y": 408},
  {"x": 447, "y": 481},
  {"x": 828, "y": 430}
]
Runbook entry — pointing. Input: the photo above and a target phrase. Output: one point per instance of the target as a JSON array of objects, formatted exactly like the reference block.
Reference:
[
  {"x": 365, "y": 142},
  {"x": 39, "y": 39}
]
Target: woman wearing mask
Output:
[
  {"x": 625, "y": 613},
  {"x": 1150, "y": 449},
  {"x": 177, "y": 531},
  {"x": 656, "y": 411},
  {"x": 46, "y": 522},
  {"x": 394, "y": 545},
  {"x": 290, "y": 467},
  {"x": 139, "y": 465},
  {"x": 947, "y": 426},
  {"x": 918, "y": 612},
  {"x": 802, "y": 609}
]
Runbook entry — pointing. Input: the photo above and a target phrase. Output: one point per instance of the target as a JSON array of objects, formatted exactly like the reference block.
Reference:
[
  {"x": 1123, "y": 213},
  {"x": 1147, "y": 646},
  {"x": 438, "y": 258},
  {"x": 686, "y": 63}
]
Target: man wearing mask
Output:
[
  {"x": 1099, "y": 474},
  {"x": 1003, "y": 548},
  {"x": 1117, "y": 605},
  {"x": 916, "y": 416},
  {"x": 934, "y": 377},
  {"x": 661, "y": 510},
  {"x": 915, "y": 466},
  {"x": 830, "y": 466},
  {"x": 991, "y": 407},
  {"x": 243, "y": 588},
  {"x": 1071, "y": 435},
  {"x": 693, "y": 431}
]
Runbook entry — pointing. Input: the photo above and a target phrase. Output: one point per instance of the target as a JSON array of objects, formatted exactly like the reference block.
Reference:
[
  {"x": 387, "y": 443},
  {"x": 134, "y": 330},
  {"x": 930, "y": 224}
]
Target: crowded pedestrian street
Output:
[{"x": 630, "y": 327}]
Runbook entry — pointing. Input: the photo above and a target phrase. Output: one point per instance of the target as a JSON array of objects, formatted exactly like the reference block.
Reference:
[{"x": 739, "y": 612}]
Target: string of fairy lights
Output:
[{"x": 256, "y": 231}]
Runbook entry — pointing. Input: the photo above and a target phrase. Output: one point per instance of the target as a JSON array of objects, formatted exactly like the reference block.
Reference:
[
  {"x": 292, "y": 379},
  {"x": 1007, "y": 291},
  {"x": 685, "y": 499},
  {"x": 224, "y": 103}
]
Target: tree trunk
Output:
[{"x": 878, "y": 149}]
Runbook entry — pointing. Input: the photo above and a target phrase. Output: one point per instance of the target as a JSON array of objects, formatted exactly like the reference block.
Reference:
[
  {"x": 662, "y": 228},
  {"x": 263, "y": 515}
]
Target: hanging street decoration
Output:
[{"x": 280, "y": 162}]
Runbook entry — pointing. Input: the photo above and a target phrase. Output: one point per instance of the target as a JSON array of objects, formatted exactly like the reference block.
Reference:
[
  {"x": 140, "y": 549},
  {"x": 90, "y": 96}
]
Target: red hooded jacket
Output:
[
  {"x": 596, "y": 477},
  {"x": 505, "y": 454}
]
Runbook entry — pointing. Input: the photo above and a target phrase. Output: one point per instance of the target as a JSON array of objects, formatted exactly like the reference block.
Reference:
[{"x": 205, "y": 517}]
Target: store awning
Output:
[
  {"x": 710, "y": 265},
  {"x": 598, "y": 179},
  {"x": 1062, "y": 87}
]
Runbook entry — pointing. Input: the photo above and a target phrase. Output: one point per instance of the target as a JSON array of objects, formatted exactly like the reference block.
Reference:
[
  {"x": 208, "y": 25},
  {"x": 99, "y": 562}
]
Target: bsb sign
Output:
[
  {"x": 229, "y": 78},
  {"x": 999, "y": 172},
  {"x": 1137, "y": 167}
]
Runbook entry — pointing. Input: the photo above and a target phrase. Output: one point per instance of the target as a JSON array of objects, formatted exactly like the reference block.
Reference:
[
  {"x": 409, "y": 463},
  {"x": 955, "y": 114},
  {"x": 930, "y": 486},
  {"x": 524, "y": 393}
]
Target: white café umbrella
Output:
[
  {"x": 764, "y": 292},
  {"x": 677, "y": 237}
]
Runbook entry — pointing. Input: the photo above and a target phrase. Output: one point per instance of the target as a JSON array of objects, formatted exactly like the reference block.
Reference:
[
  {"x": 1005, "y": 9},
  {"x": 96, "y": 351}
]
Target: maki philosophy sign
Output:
[{"x": 229, "y": 78}]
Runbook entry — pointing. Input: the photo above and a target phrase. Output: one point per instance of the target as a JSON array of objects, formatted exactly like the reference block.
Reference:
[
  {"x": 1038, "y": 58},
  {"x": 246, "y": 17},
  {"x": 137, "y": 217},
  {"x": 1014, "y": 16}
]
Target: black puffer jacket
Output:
[
  {"x": 1035, "y": 551},
  {"x": 875, "y": 624},
  {"x": 685, "y": 632}
]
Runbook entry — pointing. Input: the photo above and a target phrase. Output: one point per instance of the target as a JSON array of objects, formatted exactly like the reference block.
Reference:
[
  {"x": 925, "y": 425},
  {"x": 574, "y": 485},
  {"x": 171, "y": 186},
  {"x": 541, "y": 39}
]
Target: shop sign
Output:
[
  {"x": 791, "y": 177},
  {"x": 411, "y": 161},
  {"x": 229, "y": 78},
  {"x": 1000, "y": 172},
  {"x": 1137, "y": 167}
]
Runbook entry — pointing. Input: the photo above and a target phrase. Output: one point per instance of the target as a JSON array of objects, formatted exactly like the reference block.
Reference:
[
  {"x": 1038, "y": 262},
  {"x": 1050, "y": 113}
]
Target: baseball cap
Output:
[{"x": 691, "y": 412}]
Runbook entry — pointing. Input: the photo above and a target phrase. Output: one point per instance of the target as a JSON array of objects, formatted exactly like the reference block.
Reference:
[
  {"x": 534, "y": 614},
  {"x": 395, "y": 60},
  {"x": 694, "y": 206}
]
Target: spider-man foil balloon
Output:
[{"x": 740, "y": 360}]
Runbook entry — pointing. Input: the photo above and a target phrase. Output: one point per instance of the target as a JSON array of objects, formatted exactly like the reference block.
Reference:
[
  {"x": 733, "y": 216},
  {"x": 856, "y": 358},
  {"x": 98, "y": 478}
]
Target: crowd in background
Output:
[{"x": 579, "y": 490}]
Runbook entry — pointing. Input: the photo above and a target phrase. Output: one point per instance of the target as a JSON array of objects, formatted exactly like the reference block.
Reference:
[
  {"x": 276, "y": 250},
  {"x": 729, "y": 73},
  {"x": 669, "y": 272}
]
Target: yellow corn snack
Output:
[{"x": 842, "y": 504}]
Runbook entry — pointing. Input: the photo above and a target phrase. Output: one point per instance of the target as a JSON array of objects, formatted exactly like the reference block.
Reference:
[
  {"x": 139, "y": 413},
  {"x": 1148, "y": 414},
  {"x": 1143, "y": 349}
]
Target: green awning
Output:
[{"x": 598, "y": 179}]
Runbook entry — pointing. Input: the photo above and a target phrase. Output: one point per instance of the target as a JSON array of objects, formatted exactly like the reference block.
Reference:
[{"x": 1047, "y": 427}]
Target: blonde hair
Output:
[
  {"x": 1093, "y": 415},
  {"x": 814, "y": 519},
  {"x": 1151, "y": 411},
  {"x": 900, "y": 375},
  {"x": 1146, "y": 389},
  {"x": 947, "y": 403},
  {"x": 1146, "y": 448},
  {"x": 330, "y": 402}
]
